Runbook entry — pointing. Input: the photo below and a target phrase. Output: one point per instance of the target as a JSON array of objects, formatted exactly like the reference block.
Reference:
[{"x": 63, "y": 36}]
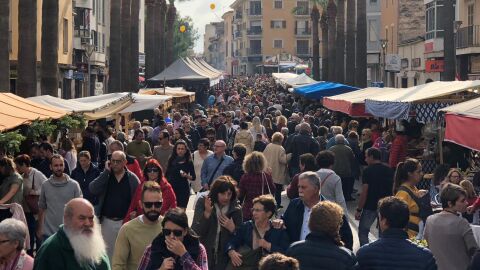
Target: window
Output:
[
  {"x": 416, "y": 62},
  {"x": 373, "y": 2},
  {"x": 372, "y": 32},
  {"x": 278, "y": 24},
  {"x": 278, "y": 4},
  {"x": 303, "y": 47},
  {"x": 278, "y": 44},
  {"x": 255, "y": 47},
  {"x": 255, "y": 8},
  {"x": 404, "y": 63},
  {"x": 302, "y": 8},
  {"x": 103, "y": 43},
  {"x": 65, "y": 36},
  {"x": 470, "y": 15}
]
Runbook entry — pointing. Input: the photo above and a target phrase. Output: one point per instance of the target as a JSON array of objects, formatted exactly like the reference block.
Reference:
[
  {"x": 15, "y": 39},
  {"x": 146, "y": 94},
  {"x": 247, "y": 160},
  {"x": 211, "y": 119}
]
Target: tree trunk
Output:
[
  {"x": 115, "y": 63},
  {"x": 332, "y": 31},
  {"x": 324, "y": 26},
  {"x": 340, "y": 61},
  {"x": 135, "y": 10},
  {"x": 171, "y": 14},
  {"x": 160, "y": 13},
  {"x": 149, "y": 39},
  {"x": 4, "y": 52},
  {"x": 49, "y": 64},
  {"x": 27, "y": 48},
  {"x": 316, "y": 43},
  {"x": 449, "y": 41},
  {"x": 361, "y": 62},
  {"x": 126, "y": 45},
  {"x": 350, "y": 51}
]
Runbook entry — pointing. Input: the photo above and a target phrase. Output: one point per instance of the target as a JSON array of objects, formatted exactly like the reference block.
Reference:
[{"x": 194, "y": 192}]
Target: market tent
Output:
[
  {"x": 92, "y": 108},
  {"x": 208, "y": 66},
  {"x": 319, "y": 90},
  {"x": 185, "y": 70},
  {"x": 147, "y": 102},
  {"x": 459, "y": 116},
  {"x": 284, "y": 76},
  {"x": 397, "y": 105},
  {"x": 353, "y": 103},
  {"x": 301, "y": 79},
  {"x": 177, "y": 93},
  {"x": 16, "y": 111}
]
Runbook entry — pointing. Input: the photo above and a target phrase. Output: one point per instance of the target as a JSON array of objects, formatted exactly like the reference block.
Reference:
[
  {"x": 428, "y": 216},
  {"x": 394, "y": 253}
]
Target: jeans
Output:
[
  {"x": 32, "y": 228},
  {"x": 366, "y": 220},
  {"x": 278, "y": 194},
  {"x": 347, "y": 187}
]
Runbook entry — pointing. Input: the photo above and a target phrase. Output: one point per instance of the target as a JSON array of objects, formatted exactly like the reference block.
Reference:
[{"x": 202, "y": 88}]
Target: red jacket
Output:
[
  {"x": 398, "y": 151},
  {"x": 168, "y": 195},
  {"x": 134, "y": 167}
]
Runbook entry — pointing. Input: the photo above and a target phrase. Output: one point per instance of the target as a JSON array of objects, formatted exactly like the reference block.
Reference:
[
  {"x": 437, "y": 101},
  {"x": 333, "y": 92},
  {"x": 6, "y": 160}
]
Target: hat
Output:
[{"x": 146, "y": 122}]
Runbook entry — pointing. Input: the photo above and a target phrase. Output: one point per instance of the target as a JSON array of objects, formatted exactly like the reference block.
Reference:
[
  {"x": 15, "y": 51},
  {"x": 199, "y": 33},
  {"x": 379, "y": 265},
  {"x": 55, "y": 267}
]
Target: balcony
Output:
[
  {"x": 468, "y": 37},
  {"x": 303, "y": 31},
  {"x": 302, "y": 11},
  {"x": 254, "y": 31},
  {"x": 303, "y": 51},
  {"x": 254, "y": 12},
  {"x": 254, "y": 51},
  {"x": 81, "y": 33},
  {"x": 237, "y": 34}
]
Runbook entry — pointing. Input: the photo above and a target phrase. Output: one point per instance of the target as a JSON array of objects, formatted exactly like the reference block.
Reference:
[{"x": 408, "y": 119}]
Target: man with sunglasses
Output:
[
  {"x": 138, "y": 233},
  {"x": 115, "y": 188}
]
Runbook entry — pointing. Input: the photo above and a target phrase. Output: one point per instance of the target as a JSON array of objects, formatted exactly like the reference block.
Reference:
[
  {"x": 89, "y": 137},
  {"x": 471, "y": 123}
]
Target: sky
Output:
[{"x": 201, "y": 14}]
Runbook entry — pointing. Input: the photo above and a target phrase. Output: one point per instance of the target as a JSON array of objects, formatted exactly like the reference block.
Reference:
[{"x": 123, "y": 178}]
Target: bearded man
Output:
[
  {"x": 137, "y": 234},
  {"x": 78, "y": 244}
]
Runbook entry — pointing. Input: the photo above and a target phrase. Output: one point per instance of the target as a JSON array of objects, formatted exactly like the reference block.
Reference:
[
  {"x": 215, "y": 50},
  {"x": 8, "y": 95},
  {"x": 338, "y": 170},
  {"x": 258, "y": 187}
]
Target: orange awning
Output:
[{"x": 16, "y": 111}]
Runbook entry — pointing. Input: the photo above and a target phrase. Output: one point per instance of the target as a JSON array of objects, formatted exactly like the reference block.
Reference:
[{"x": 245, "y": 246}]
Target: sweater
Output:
[{"x": 132, "y": 239}]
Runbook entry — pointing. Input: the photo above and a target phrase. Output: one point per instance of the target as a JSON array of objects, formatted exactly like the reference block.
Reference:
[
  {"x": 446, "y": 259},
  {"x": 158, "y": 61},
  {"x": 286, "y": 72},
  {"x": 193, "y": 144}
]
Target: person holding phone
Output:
[
  {"x": 216, "y": 217},
  {"x": 176, "y": 247},
  {"x": 180, "y": 172}
]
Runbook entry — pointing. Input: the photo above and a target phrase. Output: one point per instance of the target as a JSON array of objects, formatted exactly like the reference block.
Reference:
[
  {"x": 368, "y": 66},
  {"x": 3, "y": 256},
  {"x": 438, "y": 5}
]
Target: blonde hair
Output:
[
  {"x": 282, "y": 120},
  {"x": 254, "y": 162},
  {"x": 277, "y": 138},
  {"x": 454, "y": 170},
  {"x": 468, "y": 186},
  {"x": 257, "y": 125}
]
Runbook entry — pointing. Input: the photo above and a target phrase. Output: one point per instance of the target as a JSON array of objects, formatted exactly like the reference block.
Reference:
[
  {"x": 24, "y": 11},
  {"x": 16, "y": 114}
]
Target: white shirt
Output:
[{"x": 306, "y": 217}]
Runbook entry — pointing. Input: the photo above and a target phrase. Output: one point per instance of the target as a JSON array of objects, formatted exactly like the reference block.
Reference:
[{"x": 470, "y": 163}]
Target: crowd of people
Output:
[{"x": 120, "y": 202}]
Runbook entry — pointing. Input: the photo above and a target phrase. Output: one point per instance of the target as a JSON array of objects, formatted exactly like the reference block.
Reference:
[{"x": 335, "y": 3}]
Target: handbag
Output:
[
  {"x": 31, "y": 200},
  {"x": 264, "y": 180},
  {"x": 250, "y": 256}
]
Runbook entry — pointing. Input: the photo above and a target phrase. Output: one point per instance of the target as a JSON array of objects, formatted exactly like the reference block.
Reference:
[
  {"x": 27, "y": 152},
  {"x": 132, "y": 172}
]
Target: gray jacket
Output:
[{"x": 98, "y": 187}]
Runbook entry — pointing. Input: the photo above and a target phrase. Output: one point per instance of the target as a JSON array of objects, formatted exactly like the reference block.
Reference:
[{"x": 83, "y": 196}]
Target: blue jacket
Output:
[
  {"x": 209, "y": 166},
  {"x": 243, "y": 236},
  {"x": 84, "y": 178},
  {"x": 293, "y": 220},
  {"x": 394, "y": 251}
]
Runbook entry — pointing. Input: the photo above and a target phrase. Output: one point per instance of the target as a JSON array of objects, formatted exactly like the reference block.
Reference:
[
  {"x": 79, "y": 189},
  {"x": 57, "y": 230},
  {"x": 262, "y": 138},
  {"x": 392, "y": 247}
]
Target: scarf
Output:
[
  {"x": 159, "y": 251},
  {"x": 179, "y": 160}
]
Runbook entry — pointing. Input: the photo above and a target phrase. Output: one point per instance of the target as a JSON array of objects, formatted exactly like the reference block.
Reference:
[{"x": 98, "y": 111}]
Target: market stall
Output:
[
  {"x": 353, "y": 103},
  {"x": 178, "y": 94},
  {"x": 16, "y": 111},
  {"x": 319, "y": 90}
]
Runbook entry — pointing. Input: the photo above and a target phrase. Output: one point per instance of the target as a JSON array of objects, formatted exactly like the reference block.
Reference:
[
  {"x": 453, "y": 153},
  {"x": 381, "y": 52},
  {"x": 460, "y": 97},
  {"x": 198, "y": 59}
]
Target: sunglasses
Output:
[
  {"x": 154, "y": 170},
  {"x": 151, "y": 204},
  {"x": 177, "y": 233}
]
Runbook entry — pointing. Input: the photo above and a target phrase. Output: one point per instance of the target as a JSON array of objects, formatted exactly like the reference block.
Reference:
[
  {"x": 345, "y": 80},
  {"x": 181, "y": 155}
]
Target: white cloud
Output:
[{"x": 201, "y": 14}]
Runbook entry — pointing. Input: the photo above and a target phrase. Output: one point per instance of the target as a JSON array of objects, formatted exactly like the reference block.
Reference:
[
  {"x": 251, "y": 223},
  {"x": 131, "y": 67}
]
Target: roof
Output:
[
  {"x": 16, "y": 111},
  {"x": 469, "y": 108},
  {"x": 319, "y": 90},
  {"x": 396, "y": 105}
]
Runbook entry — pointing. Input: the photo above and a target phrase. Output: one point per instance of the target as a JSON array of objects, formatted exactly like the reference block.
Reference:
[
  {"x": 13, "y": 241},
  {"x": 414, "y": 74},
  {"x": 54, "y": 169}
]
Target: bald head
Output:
[{"x": 74, "y": 205}]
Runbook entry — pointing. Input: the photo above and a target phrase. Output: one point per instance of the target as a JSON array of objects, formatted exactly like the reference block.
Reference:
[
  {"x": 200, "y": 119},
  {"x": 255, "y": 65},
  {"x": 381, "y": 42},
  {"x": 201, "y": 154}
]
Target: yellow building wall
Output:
[
  {"x": 286, "y": 34},
  {"x": 389, "y": 22},
  {"x": 65, "y": 11}
]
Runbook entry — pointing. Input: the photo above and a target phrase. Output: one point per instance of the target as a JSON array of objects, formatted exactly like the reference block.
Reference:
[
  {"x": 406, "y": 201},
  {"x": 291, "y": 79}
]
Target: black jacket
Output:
[
  {"x": 84, "y": 178},
  {"x": 394, "y": 251},
  {"x": 293, "y": 220},
  {"x": 301, "y": 144},
  {"x": 235, "y": 170},
  {"x": 319, "y": 252},
  {"x": 159, "y": 251}
]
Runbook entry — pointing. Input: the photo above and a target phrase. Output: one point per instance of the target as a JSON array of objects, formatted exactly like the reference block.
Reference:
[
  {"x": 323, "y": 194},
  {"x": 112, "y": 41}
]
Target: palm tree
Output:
[
  {"x": 315, "y": 15},
  {"x": 4, "y": 51},
  {"x": 115, "y": 62},
  {"x": 449, "y": 41},
  {"x": 324, "y": 26},
  {"x": 171, "y": 15},
  {"x": 332, "y": 29},
  {"x": 134, "y": 28},
  {"x": 149, "y": 39},
  {"x": 27, "y": 48},
  {"x": 159, "y": 36},
  {"x": 126, "y": 46},
  {"x": 340, "y": 61},
  {"x": 49, "y": 64},
  {"x": 350, "y": 47},
  {"x": 361, "y": 60}
]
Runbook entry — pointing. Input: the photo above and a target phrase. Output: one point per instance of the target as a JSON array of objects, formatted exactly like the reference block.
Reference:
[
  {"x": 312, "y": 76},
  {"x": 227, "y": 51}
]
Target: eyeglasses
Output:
[
  {"x": 176, "y": 233},
  {"x": 152, "y": 170},
  {"x": 116, "y": 161},
  {"x": 151, "y": 204}
]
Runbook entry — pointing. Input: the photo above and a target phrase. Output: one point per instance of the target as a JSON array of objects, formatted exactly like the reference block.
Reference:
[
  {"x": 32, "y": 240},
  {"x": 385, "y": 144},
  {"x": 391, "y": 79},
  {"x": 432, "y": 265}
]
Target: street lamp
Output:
[
  {"x": 383, "y": 44},
  {"x": 89, "y": 48}
]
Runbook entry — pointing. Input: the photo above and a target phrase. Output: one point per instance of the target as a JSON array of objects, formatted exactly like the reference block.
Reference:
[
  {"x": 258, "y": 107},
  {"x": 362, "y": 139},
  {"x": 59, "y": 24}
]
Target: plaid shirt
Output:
[
  {"x": 186, "y": 261},
  {"x": 251, "y": 187}
]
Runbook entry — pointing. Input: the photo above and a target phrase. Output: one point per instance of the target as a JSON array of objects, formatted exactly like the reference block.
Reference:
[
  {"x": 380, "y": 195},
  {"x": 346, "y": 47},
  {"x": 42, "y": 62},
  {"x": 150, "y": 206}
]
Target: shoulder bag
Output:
[{"x": 31, "y": 200}]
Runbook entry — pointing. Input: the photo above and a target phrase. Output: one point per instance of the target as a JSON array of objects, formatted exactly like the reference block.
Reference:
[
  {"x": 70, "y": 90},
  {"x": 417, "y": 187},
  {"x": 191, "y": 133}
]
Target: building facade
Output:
[
  {"x": 213, "y": 44},
  {"x": 228, "y": 40},
  {"x": 373, "y": 41},
  {"x": 65, "y": 45},
  {"x": 468, "y": 40}
]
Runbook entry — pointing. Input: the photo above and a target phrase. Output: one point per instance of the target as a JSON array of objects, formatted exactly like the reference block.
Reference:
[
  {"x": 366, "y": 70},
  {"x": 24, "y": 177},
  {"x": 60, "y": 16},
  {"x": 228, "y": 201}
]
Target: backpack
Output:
[{"x": 424, "y": 206}]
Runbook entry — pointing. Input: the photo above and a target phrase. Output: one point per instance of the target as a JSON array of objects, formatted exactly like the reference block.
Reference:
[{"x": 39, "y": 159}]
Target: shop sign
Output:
[
  {"x": 434, "y": 66},
  {"x": 392, "y": 62}
]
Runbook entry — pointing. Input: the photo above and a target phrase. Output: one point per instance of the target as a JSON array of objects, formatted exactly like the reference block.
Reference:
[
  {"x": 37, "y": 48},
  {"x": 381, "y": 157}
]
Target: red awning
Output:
[
  {"x": 455, "y": 130},
  {"x": 352, "y": 109}
]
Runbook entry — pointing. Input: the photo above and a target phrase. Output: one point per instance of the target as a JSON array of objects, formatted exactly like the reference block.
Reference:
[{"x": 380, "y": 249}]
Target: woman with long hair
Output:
[
  {"x": 281, "y": 122},
  {"x": 152, "y": 172},
  {"x": 267, "y": 123},
  {"x": 11, "y": 190},
  {"x": 407, "y": 176},
  {"x": 216, "y": 218},
  {"x": 180, "y": 172},
  {"x": 454, "y": 176},
  {"x": 254, "y": 182},
  {"x": 257, "y": 128},
  {"x": 176, "y": 247},
  {"x": 179, "y": 134},
  {"x": 69, "y": 153},
  {"x": 199, "y": 157}
]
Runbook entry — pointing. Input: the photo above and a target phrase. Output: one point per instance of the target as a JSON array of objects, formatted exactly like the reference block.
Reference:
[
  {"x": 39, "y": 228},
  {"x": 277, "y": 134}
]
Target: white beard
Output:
[{"x": 88, "y": 248}]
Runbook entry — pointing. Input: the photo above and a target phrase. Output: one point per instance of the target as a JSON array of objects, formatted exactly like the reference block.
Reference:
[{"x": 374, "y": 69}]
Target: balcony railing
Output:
[
  {"x": 254, "y": 12},
  {"x": 254, "y": 51},
  {"x": 254, "y": 31},
  {"x": 237, "y": 34},
  {"x": 303, "y": 51},
  {"x": 302, "y": 11},
  {"x": 468, "y": 37},
  {"x": 82, "y": 33},
  {"x": 303, "y": 31}
]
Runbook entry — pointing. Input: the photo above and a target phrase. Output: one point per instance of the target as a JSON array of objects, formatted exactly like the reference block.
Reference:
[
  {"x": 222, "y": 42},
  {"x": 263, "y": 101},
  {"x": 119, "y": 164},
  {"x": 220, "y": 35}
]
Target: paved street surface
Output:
[{"x": 352, "y": 206}]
